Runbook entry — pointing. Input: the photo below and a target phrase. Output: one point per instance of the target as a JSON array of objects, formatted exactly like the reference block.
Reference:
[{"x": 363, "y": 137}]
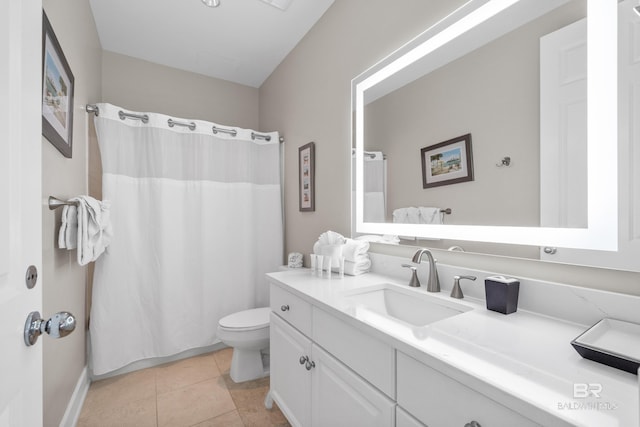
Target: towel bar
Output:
[
  {"x": 55, "y": 203},
  {"x": 447, "y": 211}
]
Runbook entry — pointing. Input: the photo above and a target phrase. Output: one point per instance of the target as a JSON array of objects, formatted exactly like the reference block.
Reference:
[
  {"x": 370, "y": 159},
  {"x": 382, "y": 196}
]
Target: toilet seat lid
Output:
[{"x": 255, "y": 318}]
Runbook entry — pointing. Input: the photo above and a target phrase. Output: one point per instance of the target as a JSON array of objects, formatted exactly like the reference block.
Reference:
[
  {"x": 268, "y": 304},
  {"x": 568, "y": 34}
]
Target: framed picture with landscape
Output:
[
  {"x": 448, "y": 162},
  {"x": 306, "y": 169},
  {"x": 57, "y": 92}
]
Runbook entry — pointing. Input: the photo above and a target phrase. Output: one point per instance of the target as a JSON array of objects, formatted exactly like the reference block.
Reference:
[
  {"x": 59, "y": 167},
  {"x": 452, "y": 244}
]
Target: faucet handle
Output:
[
  {"x": 414, "y": 282},
  {"x": 456, "y": 292}
]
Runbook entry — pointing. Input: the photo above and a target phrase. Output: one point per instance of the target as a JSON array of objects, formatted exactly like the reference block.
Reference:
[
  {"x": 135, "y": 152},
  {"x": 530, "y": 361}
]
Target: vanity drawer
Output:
[
  {"x": 291, "y": 308},
  {"x": 437, "y": 400},
  {"x": 368, "y": 357}
]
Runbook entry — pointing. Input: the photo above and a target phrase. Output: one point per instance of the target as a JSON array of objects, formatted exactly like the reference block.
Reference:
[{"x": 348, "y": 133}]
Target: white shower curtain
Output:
[{"x": 197, "y": 222}]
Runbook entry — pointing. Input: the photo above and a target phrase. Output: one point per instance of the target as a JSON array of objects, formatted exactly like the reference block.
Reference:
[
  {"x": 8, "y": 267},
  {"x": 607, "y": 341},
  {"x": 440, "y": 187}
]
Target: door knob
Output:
[{"x": 58, "y": 326}]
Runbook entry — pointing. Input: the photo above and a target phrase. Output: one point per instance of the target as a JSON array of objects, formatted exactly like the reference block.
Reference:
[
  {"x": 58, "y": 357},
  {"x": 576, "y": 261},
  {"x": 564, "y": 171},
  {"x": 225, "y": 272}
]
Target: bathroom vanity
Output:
[{"x": 370, "y": 351}]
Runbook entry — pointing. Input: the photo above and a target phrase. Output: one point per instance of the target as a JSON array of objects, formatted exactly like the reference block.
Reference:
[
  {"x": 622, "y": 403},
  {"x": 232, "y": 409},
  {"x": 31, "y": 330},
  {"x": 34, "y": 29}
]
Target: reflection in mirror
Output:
[
  {"x": 494, "y": 93},
  {"x": 499, "y": 82}
]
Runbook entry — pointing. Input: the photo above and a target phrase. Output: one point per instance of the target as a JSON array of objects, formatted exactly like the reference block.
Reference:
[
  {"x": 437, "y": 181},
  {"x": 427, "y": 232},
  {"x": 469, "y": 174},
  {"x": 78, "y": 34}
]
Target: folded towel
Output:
[
  {"x": 336, "y": 245},
  {"x": 68, "y": 234},
  {"x": 331, "y": 238},
  {"x": 356, "y": 268},
  {"x": 353, "y": 250}
]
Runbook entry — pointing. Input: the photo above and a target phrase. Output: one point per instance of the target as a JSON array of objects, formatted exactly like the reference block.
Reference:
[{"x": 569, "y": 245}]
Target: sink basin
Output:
[{"x": 407, "y": 305}]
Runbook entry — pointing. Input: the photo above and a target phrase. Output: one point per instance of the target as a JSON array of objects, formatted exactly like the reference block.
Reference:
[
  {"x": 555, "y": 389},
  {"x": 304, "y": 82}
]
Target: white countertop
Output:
[{"x": 523, "y": 360}]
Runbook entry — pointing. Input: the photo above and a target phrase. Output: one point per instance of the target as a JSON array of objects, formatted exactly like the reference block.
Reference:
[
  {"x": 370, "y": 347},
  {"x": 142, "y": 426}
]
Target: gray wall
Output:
[
  {"x": 144, "y": 86},
  {"x": 307, "y": 98},
  {"x": 63, "y": 279}
]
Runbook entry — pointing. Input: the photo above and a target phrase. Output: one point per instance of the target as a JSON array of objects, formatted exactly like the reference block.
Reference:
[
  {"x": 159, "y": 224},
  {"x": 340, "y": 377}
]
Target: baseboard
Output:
[{"x": 72, "y": 413}]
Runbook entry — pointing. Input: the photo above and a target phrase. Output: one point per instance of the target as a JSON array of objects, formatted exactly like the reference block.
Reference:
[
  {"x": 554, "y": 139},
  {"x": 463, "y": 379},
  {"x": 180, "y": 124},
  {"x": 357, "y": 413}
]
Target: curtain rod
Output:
[{"x": 92, "y": 108}]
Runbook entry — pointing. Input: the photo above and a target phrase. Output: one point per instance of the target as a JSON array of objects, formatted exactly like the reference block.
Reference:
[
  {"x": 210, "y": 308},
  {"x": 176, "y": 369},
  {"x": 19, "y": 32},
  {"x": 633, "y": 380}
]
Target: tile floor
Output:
[{"x": 191, "y": 392}]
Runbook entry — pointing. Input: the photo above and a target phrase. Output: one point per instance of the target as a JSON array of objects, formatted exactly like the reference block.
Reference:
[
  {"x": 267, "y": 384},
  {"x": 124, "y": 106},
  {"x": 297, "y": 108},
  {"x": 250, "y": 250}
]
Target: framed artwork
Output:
[
  {"x": 448, "y": 162},
  {"x": 306, "y": 170},
  {"x": 57, "y": 92}
]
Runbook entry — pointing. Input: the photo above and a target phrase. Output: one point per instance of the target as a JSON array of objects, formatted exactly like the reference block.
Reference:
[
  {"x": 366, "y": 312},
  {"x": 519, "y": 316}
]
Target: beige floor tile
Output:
[
  {"x": 186, "y": 372},
  {"x": 261, "y": 417},
  {"x": 140, "y": 413},
  {"x": 194, "y": 404},
  {"x": 223, "y": 359},
  {"x": 118, "y": 391},
  {"x": 248, "y": 394},
  {"x": 230, "y": 419},
  {"x": 249, "y": 399}
]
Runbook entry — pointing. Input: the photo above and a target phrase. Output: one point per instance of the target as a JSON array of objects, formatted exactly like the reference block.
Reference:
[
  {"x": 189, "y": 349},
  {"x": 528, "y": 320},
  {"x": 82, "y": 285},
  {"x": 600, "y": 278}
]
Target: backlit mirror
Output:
[{"x": 476, "y": 97}]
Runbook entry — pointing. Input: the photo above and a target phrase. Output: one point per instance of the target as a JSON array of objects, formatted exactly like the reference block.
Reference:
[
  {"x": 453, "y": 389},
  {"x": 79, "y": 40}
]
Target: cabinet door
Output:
[
  {"x": 403, "y": 419},
  {"x": 437, "y": 400},
  {"x": 290, "y": 381},
  {"x": 339, "y": 397}
]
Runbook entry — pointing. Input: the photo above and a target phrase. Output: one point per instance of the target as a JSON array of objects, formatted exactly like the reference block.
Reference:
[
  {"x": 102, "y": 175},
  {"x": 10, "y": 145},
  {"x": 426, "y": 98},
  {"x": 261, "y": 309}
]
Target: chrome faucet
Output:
[{"x": 433, "y": 283}]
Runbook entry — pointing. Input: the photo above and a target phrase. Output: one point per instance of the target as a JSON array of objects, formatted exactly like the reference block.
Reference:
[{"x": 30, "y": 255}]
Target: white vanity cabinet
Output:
[
  {"x": 310, "y": 385},
  {"x": 437, "y": 400}
]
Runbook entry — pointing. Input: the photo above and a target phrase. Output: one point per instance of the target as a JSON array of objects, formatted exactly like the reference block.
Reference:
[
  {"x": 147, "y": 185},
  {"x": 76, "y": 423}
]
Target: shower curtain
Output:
[{"x": 197, "y": 222}]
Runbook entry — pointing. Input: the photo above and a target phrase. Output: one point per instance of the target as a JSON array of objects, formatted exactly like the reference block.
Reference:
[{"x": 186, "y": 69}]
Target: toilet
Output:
[{"x": 248, "y": 333}]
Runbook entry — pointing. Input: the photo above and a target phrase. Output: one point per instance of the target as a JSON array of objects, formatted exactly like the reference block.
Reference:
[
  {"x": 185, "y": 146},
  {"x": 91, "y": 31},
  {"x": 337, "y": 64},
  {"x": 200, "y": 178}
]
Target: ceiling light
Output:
[{"x": 211, "y": 3}]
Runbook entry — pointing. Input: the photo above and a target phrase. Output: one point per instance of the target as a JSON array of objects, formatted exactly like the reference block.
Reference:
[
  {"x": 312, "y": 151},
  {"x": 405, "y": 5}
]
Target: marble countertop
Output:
[{"x": 523, "y": 360}]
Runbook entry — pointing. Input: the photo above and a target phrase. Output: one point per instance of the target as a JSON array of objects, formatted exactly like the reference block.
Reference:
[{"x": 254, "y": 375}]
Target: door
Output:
[
  {"x": 290, "y": 379},
  {"x": 20, "y": 208},
  {"x": 557, "y": 198}
]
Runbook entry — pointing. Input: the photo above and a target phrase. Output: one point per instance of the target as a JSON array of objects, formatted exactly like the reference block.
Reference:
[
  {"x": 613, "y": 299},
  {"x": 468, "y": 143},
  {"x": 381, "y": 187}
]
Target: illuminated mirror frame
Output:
[{"x": 602, "y": 140}]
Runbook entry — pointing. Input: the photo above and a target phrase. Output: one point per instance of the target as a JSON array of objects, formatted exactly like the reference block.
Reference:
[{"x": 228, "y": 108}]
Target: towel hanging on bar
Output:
[{"x": 85, "y": 226}]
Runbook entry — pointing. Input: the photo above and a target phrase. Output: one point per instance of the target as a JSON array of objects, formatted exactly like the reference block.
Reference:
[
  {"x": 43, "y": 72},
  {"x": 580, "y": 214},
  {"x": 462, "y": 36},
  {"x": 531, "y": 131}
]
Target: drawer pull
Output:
[
  {"x": 284, "y": 307},
  {"x": 304, "y": 359},
  {"x": 311, "y": 364},
  {"x": 473, "y": 424}
]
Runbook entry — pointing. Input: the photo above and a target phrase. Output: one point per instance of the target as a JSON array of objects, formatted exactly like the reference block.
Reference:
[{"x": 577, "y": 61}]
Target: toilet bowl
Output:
[{"x": 248, "y": 333}]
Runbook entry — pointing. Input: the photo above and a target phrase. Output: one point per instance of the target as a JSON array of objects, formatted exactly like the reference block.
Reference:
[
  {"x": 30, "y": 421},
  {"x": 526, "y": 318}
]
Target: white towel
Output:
[
  {"x": 355, "y": 250},
  {"x": 336, "y": 245},
  {"x": 331, "y": 238},
  {"x": 356, "y": 268},
  {"x": 89, "y": 222},
  {"x": 386, "y": 238},
  {"x": 429, "y": 215},
  {"x": 68, "y": 235}
]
